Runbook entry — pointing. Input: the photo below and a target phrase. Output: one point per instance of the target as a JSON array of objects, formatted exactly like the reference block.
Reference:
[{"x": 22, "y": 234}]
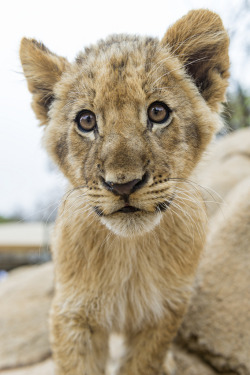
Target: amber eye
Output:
[
  {"x": 86, "y": 121},
  {"x": 158, "y": 112}
]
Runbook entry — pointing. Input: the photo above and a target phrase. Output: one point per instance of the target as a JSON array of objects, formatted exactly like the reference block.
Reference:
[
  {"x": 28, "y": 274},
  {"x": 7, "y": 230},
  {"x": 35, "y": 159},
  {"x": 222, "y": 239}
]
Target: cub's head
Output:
[{"x": 131, "y": 116}]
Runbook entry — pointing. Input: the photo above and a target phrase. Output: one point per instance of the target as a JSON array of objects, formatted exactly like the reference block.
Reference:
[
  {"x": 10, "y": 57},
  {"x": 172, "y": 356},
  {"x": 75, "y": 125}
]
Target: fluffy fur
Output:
[{"x": 128, "y": 272}]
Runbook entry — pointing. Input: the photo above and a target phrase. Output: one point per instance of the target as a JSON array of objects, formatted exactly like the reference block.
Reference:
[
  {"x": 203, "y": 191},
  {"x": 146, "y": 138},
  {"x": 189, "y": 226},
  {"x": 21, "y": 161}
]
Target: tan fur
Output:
[{"x": 128, "y": 272}]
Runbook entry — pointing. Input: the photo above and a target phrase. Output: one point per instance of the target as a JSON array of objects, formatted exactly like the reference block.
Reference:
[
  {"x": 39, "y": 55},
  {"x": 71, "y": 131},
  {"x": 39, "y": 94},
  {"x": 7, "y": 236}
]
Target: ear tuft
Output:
[
  {"x": 42, "y": 69},
  {"x": 201, "y": 43}
]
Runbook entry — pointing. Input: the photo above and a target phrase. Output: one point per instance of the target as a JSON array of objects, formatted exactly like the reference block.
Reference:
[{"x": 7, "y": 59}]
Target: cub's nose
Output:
[
  {"x": 123, "y": 189},
  {"x": 127, "y": 188}
]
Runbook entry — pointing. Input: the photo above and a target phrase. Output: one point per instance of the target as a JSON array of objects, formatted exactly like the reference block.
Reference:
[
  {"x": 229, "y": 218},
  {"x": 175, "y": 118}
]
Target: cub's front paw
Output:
[{"x": 169, "y": 367}]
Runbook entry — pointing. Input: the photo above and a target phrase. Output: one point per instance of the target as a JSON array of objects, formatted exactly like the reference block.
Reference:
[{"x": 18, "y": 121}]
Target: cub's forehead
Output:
[
  {"x": 123, "y": 48},
  {"x": 114, "y": 70},
  {"x": 117, "y": 61},
  {"x": 119, "y": 72}
]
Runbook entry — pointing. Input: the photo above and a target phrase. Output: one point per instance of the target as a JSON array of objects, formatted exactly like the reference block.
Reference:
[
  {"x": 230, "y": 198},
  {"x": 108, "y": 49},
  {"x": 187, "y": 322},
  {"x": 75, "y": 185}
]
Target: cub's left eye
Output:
[
  {"x": 86, "y": 121},
  {"x": 158, "y": 112}
]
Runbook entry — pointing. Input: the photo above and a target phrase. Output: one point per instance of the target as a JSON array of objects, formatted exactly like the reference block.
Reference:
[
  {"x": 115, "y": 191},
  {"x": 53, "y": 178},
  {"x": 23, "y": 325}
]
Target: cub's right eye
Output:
[{"x": 86, "y": 121}]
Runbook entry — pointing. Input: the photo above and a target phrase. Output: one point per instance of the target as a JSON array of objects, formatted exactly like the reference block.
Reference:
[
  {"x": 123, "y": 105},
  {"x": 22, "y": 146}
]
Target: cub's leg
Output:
[
  {"x": 147, "y": 350},
  {"x": 79, "y": 347}
]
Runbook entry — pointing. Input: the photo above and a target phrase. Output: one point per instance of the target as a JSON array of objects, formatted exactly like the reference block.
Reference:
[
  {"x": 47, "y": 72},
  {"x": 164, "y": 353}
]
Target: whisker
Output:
[
  {"x": 183, "y": 221},
  {"x": 196, "y": 184}
]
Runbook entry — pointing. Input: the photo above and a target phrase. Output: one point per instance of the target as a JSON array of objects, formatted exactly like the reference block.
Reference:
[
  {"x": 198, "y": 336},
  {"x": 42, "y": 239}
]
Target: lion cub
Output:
[{"x": 126, "y": 123}]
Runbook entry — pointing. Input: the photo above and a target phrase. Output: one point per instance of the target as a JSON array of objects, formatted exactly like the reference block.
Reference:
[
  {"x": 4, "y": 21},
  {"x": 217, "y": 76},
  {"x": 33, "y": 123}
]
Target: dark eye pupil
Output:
[
  {"x": 157, "y": 110},
  {"x": 86, "y": 119}
]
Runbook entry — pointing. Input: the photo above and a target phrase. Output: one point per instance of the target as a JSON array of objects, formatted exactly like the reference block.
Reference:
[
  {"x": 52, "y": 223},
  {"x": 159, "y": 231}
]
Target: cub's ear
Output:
[
  {"x": 42, "y": 70},
  {"x": 201, "y": 43}
]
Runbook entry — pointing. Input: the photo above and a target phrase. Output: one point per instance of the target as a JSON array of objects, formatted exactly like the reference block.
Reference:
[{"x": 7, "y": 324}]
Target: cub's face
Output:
[
  {"x": 126, "y": 122},
  {"x": 123, "y": 124}
]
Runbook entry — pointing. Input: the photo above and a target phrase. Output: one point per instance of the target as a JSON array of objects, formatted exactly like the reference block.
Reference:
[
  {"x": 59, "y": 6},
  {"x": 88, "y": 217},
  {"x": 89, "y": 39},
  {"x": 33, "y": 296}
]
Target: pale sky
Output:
[{"x": 65, "y": 28}]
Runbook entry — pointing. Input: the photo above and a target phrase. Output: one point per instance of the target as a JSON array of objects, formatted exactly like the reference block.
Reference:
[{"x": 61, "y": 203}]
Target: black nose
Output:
[{"x": 127, "y": 188}]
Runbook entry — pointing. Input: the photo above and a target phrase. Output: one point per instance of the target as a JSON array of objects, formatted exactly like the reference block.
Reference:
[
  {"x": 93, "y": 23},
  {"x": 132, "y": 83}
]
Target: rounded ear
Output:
[
  {"x": 42, "y": 70},
  {"x": 201, "y": 43}
]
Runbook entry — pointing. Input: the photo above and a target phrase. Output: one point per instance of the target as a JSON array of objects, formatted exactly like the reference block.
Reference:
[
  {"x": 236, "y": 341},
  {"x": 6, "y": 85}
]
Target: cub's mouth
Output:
[
  {"x": 160, "y": 207},
  {"x": 128, "y": 209}
]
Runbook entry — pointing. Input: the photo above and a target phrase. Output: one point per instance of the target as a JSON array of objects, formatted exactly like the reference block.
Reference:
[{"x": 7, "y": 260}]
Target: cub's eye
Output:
[
  {"x": 86, "y": 121},
  {"x": 158, "y": 112}
]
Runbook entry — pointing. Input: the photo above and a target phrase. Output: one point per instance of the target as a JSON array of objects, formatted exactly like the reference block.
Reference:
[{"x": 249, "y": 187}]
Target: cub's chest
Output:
[{"x": 128, "y": 293}]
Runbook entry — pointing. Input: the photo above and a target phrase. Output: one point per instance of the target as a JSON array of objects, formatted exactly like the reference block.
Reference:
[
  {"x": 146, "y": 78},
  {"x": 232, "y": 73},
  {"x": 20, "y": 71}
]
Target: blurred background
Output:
[{"x": 30, "y": 184}]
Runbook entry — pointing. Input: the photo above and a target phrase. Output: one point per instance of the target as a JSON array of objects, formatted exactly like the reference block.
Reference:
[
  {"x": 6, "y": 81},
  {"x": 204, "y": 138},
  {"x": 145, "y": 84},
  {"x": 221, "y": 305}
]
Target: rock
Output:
[
  {"x": 190, "y": 364},
  {"x": 217, "y": 325},
  {"x": 228, "y": 164},
  {"x": 25, "y": 300},
  {"x": 43, "y": 368}
]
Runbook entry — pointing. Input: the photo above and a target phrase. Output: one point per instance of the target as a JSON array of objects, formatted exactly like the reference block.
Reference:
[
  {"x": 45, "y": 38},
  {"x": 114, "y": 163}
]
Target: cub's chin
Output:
[{"x": 131, "y": 224}]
